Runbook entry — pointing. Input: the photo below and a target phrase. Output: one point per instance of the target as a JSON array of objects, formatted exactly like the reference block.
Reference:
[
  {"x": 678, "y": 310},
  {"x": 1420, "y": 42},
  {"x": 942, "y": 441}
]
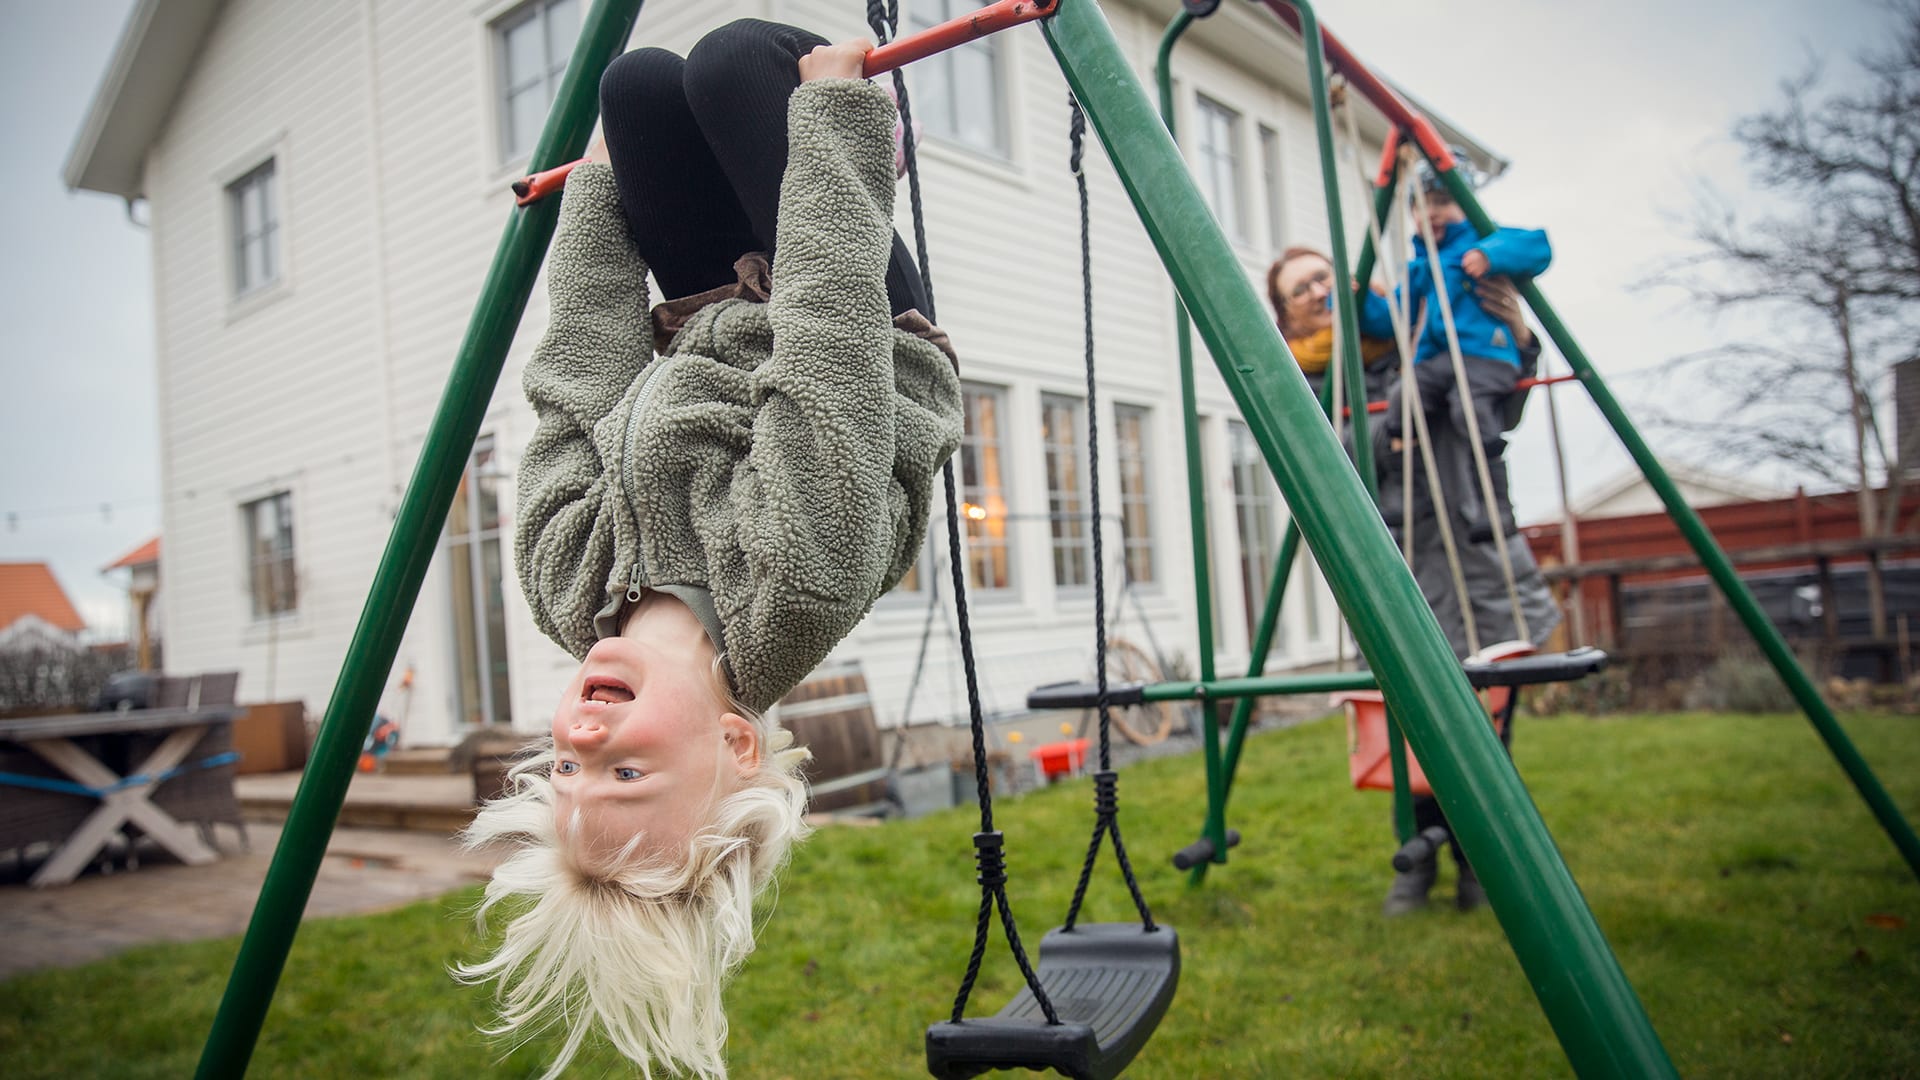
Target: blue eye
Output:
[
  {"x": 566, "y": 768},
  {"x": 627, "y": 773}
]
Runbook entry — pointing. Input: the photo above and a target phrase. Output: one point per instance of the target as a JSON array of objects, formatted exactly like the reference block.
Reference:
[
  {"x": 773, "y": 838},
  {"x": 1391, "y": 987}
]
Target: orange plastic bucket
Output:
[{"x": 1368, "y": 763}]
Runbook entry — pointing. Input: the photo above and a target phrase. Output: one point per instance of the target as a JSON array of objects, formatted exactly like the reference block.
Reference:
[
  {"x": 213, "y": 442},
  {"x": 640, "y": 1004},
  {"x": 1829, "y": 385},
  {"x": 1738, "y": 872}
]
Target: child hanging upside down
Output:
[
  {"x": 1488, "y": 348},
  {"x": 701, "y": 527}
]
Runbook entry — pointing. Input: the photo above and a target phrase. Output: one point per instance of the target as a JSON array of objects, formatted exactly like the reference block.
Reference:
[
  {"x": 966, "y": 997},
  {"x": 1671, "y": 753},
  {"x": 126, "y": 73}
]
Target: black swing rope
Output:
[
  {"x": 1106, "y": 799},
  {"x": 884, "y": 17}
]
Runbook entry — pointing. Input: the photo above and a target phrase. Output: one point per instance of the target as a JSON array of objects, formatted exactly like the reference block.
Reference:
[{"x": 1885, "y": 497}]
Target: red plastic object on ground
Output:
[
  {"x": 1368, "y": 762},
  {"x": 1056, "y": 760}
]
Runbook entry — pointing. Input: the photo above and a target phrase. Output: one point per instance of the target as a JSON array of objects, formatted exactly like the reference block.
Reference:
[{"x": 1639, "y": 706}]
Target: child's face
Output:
[
  {"x": 1442, "y": 211},
  {"x": 643, "y": 743}
]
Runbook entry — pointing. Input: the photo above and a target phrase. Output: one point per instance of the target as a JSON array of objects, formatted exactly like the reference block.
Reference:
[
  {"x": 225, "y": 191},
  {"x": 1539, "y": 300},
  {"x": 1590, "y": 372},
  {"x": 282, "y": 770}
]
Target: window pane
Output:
[
  {"x": 526, "y": 111},
  {"x": 983, "y": 501},
  {"x": 563, "y": 27},
  {"x": 1136, "y": 528},
  {"x": 1219, "y": 166},
  {"x": 957, "y": 95},
  {"x": 1060, "y": 424},
  {"x": 1253, "y": 499},
  {"x": 1270, "y": 183},
  {"x": 273, "y": 586},
  {"x": 523, "y": 53}
]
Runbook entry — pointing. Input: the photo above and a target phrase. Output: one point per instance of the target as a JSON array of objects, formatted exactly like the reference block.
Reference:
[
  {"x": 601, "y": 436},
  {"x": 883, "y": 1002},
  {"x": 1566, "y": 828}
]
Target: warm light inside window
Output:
[{"x": 973, "y": 513}]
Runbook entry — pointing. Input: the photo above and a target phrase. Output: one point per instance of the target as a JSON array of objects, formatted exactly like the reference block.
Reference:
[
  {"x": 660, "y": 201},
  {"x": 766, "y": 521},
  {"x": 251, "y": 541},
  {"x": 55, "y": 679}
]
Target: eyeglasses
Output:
[{"x": 1318, "y": 277}]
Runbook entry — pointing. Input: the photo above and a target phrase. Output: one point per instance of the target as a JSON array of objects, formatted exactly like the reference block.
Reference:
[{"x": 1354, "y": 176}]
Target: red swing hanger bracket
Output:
[{"x": 895, "y": 54}]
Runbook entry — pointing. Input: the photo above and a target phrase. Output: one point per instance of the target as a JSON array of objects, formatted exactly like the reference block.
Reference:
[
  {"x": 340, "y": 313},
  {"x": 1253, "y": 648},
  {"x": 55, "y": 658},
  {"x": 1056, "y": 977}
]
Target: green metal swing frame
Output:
[{"x": 1586, "y": 997}]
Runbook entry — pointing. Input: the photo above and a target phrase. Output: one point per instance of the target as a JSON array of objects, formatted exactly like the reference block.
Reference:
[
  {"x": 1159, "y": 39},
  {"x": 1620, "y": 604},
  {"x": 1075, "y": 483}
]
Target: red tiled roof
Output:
[
  {"x": 31, "y": 589},
  {"x": 148, "y": 552}
]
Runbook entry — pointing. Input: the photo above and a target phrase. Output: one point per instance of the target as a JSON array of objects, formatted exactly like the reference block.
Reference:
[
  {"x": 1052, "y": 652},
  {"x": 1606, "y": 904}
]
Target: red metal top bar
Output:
[
  {"x": 955, "y": 32},
  {"x": 896, "y": 54},
  {"x": 1384, "y": 98}
]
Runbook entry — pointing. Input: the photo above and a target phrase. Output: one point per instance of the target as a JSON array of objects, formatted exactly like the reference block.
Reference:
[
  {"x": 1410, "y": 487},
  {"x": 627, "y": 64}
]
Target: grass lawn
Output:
[{"x": 1768, "y": 925}]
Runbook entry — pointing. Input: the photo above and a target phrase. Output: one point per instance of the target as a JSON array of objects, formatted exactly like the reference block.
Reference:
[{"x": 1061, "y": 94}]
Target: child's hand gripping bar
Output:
[{"x": 955, "y": 32}]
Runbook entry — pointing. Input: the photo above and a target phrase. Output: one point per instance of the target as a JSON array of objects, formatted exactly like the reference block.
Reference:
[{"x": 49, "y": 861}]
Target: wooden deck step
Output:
[
  {"x": 420, "y": 761},
  {"x": 440, "y": 804}
]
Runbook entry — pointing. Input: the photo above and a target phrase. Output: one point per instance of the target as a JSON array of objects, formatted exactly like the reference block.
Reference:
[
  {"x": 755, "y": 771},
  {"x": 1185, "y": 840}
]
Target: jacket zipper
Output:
[{"x": 637, "y": 579}]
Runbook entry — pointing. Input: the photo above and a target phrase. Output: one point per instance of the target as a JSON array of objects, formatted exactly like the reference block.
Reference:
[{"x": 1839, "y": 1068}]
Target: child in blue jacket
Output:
[{"x": 1492, "y": 358}]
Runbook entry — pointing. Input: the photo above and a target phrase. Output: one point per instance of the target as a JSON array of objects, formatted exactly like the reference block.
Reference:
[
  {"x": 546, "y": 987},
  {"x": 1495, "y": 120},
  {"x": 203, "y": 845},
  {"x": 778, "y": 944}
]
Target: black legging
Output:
[{"x": 699, "y": 147}]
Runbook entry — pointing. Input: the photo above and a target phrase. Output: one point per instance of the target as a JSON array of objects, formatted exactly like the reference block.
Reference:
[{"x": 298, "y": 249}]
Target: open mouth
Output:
[{"x": 606, "y": 690}]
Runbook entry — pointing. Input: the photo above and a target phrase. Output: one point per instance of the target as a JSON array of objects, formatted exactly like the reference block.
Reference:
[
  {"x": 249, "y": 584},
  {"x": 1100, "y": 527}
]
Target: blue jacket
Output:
[{"x": 1513, "y": 252}]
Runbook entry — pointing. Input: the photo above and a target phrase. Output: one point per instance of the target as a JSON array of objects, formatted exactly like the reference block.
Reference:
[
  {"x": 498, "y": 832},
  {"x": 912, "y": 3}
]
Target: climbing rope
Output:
[{"x": 989, "y": 846}]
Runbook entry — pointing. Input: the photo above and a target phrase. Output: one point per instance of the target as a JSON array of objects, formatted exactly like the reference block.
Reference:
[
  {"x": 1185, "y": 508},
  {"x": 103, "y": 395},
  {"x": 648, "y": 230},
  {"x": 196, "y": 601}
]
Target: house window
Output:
[
  {"x": 1254, "y": 496},
  {"x": 1217, "y": 151},
  {"x": 1136, "y": 522},
  {"x": 479, "y": 607},
  {"x": 531, "y": 46},
  {"x": 1270, "y": 183},
  {"x": 983, "y": 500},
  {"x": 959, "y": 95},
  {"x": 1066, "y": 490},
  {"x": 271, "y": 581},
  {"x": 253, "y": 208}
]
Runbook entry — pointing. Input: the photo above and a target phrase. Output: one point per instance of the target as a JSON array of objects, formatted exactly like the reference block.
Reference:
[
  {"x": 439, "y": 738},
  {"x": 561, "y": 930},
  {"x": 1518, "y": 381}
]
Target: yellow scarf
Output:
[{"x": 1315, "y": 350}]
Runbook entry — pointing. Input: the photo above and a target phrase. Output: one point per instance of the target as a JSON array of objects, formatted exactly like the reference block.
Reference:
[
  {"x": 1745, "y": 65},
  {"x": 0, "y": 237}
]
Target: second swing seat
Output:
[{"x": 1110, "y": 983}]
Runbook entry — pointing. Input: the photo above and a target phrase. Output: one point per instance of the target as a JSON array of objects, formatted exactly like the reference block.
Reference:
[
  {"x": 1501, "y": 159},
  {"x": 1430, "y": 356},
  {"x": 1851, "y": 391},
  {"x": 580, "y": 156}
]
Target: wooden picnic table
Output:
[{"x": 123, "y": 799}]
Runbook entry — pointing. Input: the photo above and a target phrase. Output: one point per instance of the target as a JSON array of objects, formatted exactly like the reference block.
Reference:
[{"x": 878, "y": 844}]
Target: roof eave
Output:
[{"x": 150, "y": 64}]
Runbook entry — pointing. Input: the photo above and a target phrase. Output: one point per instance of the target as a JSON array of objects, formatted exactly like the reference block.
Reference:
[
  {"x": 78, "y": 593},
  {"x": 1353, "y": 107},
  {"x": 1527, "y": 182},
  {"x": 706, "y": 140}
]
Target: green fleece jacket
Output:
[{"x": 773, "y": 469}]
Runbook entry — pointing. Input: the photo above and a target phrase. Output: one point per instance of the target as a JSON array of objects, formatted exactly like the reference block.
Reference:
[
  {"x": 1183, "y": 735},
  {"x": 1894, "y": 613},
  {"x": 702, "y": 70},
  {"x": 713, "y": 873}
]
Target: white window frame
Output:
[
  {"x": 935, "y": 110},
  {"x": 468, "y": 528},
  {"x": 1255, "y": 501},
  {"x": 1217, "y": 160},
  {"x": 258, "y": 186},
  {"x": 1270, "y": 158},
  {"x": 1069, "y": 524},
  {"x": 1136, "y": 505},
  {"x": 510, "y": 145},
  {"x": 983, "y": 506},
  {"x": 281, "y": 568}
]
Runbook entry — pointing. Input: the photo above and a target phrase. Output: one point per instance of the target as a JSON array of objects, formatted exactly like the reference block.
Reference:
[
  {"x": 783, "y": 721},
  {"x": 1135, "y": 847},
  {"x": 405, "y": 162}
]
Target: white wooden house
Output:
[{"x": 324, "y": 183}]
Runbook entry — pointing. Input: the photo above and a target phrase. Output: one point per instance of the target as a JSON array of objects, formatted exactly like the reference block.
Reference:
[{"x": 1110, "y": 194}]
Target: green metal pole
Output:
[
  {"x": 410, "y": 548},
  {"x": 1581, "y": 988},
  {"x": 1253, "y": 686},
  {"x": 1739, "y": 597},
  {"x": 1215, "y": 828}
]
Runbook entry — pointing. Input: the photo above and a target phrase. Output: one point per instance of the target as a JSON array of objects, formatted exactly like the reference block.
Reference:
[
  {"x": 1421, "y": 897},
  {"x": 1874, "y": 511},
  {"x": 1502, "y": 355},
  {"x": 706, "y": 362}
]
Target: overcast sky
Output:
[{"x": 1608, "y": 111}]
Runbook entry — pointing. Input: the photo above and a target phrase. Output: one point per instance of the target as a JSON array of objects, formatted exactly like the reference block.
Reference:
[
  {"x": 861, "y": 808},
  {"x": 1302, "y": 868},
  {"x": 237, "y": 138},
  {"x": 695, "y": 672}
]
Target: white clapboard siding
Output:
[{"x": 392, "y": 197}]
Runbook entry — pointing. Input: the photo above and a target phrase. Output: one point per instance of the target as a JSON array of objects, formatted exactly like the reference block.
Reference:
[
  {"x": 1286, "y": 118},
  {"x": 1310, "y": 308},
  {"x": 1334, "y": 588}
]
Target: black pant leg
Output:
[
  {"x": 680, "y": 207},
  {"x": 738, "y": 79}
]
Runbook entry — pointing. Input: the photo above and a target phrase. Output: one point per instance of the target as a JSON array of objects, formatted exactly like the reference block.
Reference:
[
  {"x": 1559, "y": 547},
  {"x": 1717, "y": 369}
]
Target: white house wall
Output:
[{"x": 381, "y": 115}]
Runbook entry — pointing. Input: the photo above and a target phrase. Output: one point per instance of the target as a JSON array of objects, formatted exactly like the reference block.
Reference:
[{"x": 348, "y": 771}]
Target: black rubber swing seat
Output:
[{"x": 1110, "y": 983}]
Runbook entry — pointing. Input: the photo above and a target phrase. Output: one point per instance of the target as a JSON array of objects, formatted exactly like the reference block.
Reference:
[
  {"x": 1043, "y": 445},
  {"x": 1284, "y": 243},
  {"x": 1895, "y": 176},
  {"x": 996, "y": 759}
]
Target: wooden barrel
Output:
[{"x": 831, "y": 714}]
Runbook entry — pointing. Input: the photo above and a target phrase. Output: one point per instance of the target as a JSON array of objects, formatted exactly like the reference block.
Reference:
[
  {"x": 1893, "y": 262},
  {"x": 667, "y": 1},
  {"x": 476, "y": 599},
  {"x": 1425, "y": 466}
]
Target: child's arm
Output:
[
  {"x": 598, "y": 339},
  {"x": 1376, "y": 315},
  {"x": 819, "y": 497},
  {"x": 1515, "y": 252}
]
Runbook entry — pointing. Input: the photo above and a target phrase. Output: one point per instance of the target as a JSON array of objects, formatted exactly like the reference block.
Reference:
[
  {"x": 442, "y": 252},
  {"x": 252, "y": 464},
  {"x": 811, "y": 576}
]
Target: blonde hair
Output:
[{"x": 628, "y": 942}]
